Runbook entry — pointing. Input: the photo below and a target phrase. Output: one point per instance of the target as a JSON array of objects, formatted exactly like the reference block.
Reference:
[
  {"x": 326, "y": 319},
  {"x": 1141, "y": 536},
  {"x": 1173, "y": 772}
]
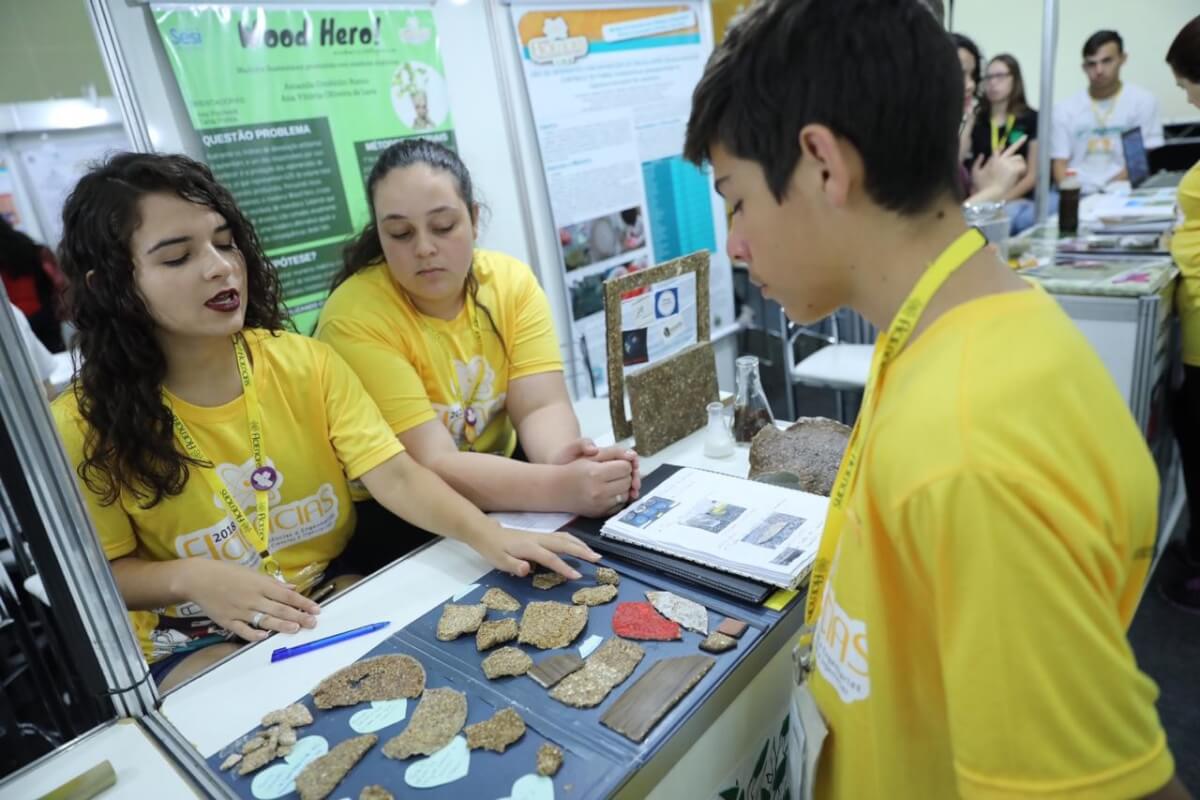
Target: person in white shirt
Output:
[
  {"x": 54, "y": 371},
  {"x": 1088, "y": 126}
]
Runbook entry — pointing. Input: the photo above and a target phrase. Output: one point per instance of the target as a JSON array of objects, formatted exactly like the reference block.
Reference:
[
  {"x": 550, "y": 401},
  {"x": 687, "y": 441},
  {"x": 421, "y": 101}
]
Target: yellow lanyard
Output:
[
  {"x": 886, "y": 351},
  {"x": 262, "y": 479},
  {"x": 1102, "y": 119},
  {"x": 998, "y": 141},
  {"x": 467, "y": 404}
]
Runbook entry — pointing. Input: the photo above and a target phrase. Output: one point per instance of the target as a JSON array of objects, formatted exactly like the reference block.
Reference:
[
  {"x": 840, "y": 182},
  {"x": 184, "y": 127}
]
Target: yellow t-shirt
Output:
[
  {"x": 972, "y": 641},
  {"x": 1185, "y": 248},
  {"x": 418, "y": 368},
  {"x": 319, "y": 429}
]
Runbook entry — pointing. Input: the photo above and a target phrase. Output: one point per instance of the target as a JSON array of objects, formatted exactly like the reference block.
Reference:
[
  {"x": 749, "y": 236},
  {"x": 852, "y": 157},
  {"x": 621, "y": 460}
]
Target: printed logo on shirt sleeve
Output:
[{"x": 841, "y": 650}]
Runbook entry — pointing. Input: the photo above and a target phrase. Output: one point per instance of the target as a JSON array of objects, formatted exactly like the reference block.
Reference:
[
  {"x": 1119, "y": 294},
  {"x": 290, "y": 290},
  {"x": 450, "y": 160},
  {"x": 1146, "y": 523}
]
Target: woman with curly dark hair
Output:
[{"x": 213, "y": 446}]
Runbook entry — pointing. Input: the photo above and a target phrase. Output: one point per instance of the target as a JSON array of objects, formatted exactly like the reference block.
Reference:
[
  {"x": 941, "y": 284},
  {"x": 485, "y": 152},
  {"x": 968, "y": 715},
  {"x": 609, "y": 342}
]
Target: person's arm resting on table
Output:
[
  {"x": 496, "y": 483},
  {"x": 410, "y": 490}
]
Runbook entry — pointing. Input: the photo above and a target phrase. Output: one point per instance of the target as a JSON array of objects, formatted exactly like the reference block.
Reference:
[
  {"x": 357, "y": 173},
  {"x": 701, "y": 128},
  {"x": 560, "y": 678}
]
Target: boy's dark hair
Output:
[
  {"x": 880, "y": 74},
  {"x": 1101, "y": 38},
  {"x": 1184, "y": 53}
]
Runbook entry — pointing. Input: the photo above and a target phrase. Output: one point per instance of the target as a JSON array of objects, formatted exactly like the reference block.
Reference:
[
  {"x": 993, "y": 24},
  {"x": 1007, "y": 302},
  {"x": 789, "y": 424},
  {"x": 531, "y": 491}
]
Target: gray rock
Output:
[{"x": 805, "y": 456}]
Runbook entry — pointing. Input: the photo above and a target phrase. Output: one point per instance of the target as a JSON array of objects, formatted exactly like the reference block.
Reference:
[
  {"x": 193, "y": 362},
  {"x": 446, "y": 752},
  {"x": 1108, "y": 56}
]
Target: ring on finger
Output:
[
  {"x": 620, "y": 499},
  {"x": 257, "y": 618}
]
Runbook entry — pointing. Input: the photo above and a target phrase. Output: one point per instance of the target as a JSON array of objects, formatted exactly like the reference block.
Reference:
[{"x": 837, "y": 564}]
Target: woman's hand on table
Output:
[
  {"x": 587, "y": 450},
  {"x": 615, "y": 453},
  {"x": 596, "y": 488},
  {"x": 234, "y": 597},
  {"x": 512, "y": 551}
]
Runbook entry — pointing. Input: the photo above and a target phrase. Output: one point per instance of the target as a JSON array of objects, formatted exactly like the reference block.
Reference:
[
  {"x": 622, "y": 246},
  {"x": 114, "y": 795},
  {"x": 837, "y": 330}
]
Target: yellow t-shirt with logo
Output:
[
  {"x": 419, "y": 368},
  {"x": 972, "y": 640},
  {"x": 319, "y": 428},
  {"x": 1185, "y": 249}
]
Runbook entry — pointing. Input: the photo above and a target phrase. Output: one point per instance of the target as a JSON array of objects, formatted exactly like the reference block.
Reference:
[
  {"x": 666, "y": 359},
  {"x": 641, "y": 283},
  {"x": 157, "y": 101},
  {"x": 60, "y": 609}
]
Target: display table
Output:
[
  {"x": 143, "y": 769},
  {"x": 1123, "y": 304},
  {"x": 701, "y": 752}
]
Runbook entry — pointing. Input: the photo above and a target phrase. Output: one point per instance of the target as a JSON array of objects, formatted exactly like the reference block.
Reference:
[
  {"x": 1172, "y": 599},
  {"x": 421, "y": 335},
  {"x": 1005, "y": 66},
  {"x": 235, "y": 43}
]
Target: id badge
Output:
[{"x": 807, "y": 729}]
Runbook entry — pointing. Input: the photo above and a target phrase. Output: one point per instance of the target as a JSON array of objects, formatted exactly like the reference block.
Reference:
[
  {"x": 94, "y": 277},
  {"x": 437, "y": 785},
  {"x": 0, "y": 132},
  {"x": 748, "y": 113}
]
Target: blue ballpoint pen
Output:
[{"x": 280, "y": 653}]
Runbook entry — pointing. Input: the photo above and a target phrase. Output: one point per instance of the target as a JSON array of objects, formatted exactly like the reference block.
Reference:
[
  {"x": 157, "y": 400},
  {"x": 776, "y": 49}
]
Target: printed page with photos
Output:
[{"x": 762, "y": 532}]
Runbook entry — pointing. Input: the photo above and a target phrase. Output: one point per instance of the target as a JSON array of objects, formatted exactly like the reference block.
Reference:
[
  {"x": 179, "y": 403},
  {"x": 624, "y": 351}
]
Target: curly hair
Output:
[{"x": 129, "y": 443}]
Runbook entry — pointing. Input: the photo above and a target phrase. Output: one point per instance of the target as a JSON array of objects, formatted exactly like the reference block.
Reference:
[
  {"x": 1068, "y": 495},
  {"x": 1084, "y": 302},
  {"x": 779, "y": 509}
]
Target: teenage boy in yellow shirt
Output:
[{"x": 993, "y": 521}]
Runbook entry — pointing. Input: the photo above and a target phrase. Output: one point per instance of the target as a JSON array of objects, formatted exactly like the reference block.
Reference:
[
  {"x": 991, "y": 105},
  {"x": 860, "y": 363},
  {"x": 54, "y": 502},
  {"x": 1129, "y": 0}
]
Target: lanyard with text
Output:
[
  {"x": 471, "y": 422},
  {"x": 999, "y": 142},
  {"x": 886, "y": 351},
  {"x": 262, "y": 480},
  {"x": 1102, "y": 117}
]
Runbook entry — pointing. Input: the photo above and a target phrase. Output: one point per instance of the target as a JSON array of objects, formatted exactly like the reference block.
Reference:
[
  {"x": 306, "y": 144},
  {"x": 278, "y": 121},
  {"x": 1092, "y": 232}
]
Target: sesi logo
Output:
[{"x": 185, "y": 38}]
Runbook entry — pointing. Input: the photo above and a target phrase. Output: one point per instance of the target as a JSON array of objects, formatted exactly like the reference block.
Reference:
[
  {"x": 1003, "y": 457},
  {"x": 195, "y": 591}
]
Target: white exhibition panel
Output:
[
  {"x": 488, "y": 106},
  {"x": 1115, "y": 341}
]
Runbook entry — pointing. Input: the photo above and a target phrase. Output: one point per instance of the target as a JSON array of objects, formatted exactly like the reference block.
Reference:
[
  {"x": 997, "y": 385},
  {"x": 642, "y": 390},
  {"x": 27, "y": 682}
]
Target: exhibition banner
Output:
[
  {"x": 293, "y": 106},
  {"x": 610, "y": 90}
]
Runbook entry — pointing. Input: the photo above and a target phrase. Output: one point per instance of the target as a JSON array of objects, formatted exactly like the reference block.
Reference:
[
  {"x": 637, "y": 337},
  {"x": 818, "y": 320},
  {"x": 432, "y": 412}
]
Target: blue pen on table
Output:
[{"x": 280, "y": 653}]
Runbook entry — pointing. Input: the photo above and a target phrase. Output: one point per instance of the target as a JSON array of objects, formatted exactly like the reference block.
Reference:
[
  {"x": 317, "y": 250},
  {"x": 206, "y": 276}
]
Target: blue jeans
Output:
[{"x": 1022, "y": 212}]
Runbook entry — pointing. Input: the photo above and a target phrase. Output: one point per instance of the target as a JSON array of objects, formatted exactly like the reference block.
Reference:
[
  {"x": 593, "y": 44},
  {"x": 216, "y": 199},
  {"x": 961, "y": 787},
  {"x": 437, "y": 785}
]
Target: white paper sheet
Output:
[{"x": 538, "y": 522}]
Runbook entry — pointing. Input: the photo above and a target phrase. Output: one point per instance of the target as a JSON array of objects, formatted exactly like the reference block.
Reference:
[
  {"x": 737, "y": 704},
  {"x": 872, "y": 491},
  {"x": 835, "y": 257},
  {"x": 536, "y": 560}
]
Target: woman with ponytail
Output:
[{"x": 457, "y": 347}]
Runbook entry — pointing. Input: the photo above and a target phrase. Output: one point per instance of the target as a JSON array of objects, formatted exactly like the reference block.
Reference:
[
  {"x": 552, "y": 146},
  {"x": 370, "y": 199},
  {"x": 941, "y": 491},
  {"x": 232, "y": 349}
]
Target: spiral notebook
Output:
[{"x": 766, "y": 533}]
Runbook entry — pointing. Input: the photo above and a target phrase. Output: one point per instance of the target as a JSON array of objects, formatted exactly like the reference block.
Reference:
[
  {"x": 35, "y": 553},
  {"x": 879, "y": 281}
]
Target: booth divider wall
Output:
[{"x": 490, "y": 111}]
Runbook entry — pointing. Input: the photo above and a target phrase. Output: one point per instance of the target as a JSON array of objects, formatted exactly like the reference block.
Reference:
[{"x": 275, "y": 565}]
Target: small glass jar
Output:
[
  {"x": 718, "y": 441},
  {"x": 751, "y": 411},
  {"x": 992, "y": 221}
]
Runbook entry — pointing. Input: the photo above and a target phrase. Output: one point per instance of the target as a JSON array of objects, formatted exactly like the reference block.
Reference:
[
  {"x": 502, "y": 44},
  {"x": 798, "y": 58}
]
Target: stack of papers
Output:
[
  {"x": 1143, "y": 205},
  {"x": 766, "y": 533}
]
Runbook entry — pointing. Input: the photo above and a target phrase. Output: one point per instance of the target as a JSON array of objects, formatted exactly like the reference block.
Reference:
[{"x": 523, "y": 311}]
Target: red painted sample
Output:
[{"x": 641, "y": 621}]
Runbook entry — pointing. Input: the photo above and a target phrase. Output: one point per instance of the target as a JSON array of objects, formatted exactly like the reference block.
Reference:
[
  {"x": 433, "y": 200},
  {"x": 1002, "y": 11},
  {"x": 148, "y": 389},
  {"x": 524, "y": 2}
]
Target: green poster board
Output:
[{"x": 293, "y": 106}]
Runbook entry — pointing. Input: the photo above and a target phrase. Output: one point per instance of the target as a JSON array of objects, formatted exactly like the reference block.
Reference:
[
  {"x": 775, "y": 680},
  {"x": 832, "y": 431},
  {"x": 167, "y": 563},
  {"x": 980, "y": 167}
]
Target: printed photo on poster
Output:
[
  {"x": 602, "y": 238},
  {"x": 587, "y": 289},
  {"x": 610, "y": 90},
  {"x": 634, "y": 346},
  {"x": 419, "y": 96}
]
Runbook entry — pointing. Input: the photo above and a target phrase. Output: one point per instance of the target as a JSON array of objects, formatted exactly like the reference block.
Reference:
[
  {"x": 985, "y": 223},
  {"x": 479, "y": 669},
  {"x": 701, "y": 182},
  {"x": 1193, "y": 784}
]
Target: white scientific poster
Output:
[
  {"x": 610, "y": 89},
  {"x": 54, "y": 163}
]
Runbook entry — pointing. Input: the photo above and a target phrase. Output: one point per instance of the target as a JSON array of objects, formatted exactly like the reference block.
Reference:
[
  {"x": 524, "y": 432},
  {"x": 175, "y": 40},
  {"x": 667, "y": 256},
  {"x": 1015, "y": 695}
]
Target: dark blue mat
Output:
[{"x": 597, "y": 760}]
